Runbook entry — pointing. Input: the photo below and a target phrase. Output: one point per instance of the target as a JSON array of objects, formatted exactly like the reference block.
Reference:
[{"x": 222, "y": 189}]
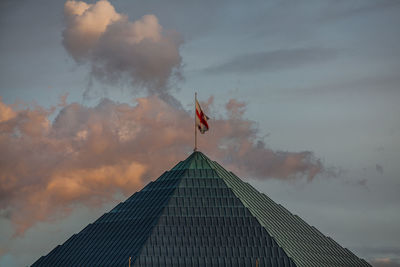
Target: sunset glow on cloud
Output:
[
  {"x": 86, "y": 155},
  {"x": 97, "y": 100}
]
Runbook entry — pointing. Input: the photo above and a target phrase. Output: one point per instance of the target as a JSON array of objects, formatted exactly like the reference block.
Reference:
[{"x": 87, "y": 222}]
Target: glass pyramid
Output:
[{"x": 199, "y": 214}]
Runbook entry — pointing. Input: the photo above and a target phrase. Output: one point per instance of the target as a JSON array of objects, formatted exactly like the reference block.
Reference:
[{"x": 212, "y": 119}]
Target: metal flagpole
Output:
[{"x": 195, "y": 115}]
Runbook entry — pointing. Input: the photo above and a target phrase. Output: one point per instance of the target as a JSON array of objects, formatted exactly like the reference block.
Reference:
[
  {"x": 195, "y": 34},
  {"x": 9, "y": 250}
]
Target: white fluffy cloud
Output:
[{"x": 116, "y": 48}]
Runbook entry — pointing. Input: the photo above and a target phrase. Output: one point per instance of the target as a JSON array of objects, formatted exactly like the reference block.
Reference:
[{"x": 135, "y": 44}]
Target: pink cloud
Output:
[
  {"x": 88, "y": 154},
  {"x": 385, "y": 262}
]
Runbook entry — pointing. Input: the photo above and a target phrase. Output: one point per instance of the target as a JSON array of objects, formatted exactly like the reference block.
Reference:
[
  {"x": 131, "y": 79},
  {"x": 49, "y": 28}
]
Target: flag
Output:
[{"x": 201, "y": 119}]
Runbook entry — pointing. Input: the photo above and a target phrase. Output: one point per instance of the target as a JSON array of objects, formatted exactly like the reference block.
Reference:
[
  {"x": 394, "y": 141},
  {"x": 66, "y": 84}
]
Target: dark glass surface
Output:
[{"x": 199, "y": 214}]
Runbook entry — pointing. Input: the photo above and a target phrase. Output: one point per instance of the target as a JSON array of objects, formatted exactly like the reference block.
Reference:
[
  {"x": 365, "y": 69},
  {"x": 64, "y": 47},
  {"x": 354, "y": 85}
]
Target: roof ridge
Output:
[
  {"x": 197, "y": 197},
  {"x": 273, "y": 217}
]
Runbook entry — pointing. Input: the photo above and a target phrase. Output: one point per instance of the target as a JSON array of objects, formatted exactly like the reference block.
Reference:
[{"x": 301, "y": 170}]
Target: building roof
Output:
[{"x": 199, "y": 214}]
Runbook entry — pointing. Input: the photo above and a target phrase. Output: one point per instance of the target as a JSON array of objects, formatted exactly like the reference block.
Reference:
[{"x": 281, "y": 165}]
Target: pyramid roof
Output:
[{"x": 199, "y": 214}]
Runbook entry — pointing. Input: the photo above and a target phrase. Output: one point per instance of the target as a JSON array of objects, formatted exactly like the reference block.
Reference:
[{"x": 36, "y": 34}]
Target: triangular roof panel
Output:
[{"x": 199, "y": 214}]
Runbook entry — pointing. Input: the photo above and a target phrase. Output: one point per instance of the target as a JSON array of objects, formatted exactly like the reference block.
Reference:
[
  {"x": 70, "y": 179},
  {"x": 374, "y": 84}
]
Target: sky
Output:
[{"x": 97, "y": 99}]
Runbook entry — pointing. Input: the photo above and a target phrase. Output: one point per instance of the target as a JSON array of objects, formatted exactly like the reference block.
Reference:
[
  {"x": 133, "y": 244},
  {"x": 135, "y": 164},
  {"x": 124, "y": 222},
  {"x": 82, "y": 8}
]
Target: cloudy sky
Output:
[{"x": 97, "y": 100}]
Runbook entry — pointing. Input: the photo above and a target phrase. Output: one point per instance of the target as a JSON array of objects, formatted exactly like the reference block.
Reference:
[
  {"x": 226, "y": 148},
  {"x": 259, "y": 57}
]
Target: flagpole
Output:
[{"x": 195, "y": 130}]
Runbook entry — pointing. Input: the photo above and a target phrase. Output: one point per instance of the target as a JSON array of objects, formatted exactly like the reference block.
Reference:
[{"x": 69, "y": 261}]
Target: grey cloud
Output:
[
  {"x": 380, "y": 250},
  {"x": 383, "y": 256},
  {"x": 385, "y": 262},
  {"x": 5, "y": 213},
  {"x": 343, "y": 9},
  {"x": 362, "y": 182},
  {"x": 273, "y": 60},
  {"x": 379, "y": 82},
  {"x": 117, "y": 49},
  {"x": 379, "y": 169}
]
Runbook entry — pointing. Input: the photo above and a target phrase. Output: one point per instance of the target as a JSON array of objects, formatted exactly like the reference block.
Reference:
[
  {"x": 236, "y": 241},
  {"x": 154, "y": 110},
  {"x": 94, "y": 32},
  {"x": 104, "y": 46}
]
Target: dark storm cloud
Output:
[{"x": 273, "y": 60}]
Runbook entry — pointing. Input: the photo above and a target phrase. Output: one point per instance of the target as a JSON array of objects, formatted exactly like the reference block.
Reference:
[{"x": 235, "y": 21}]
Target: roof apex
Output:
[{"x": 196, "y": 160}]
